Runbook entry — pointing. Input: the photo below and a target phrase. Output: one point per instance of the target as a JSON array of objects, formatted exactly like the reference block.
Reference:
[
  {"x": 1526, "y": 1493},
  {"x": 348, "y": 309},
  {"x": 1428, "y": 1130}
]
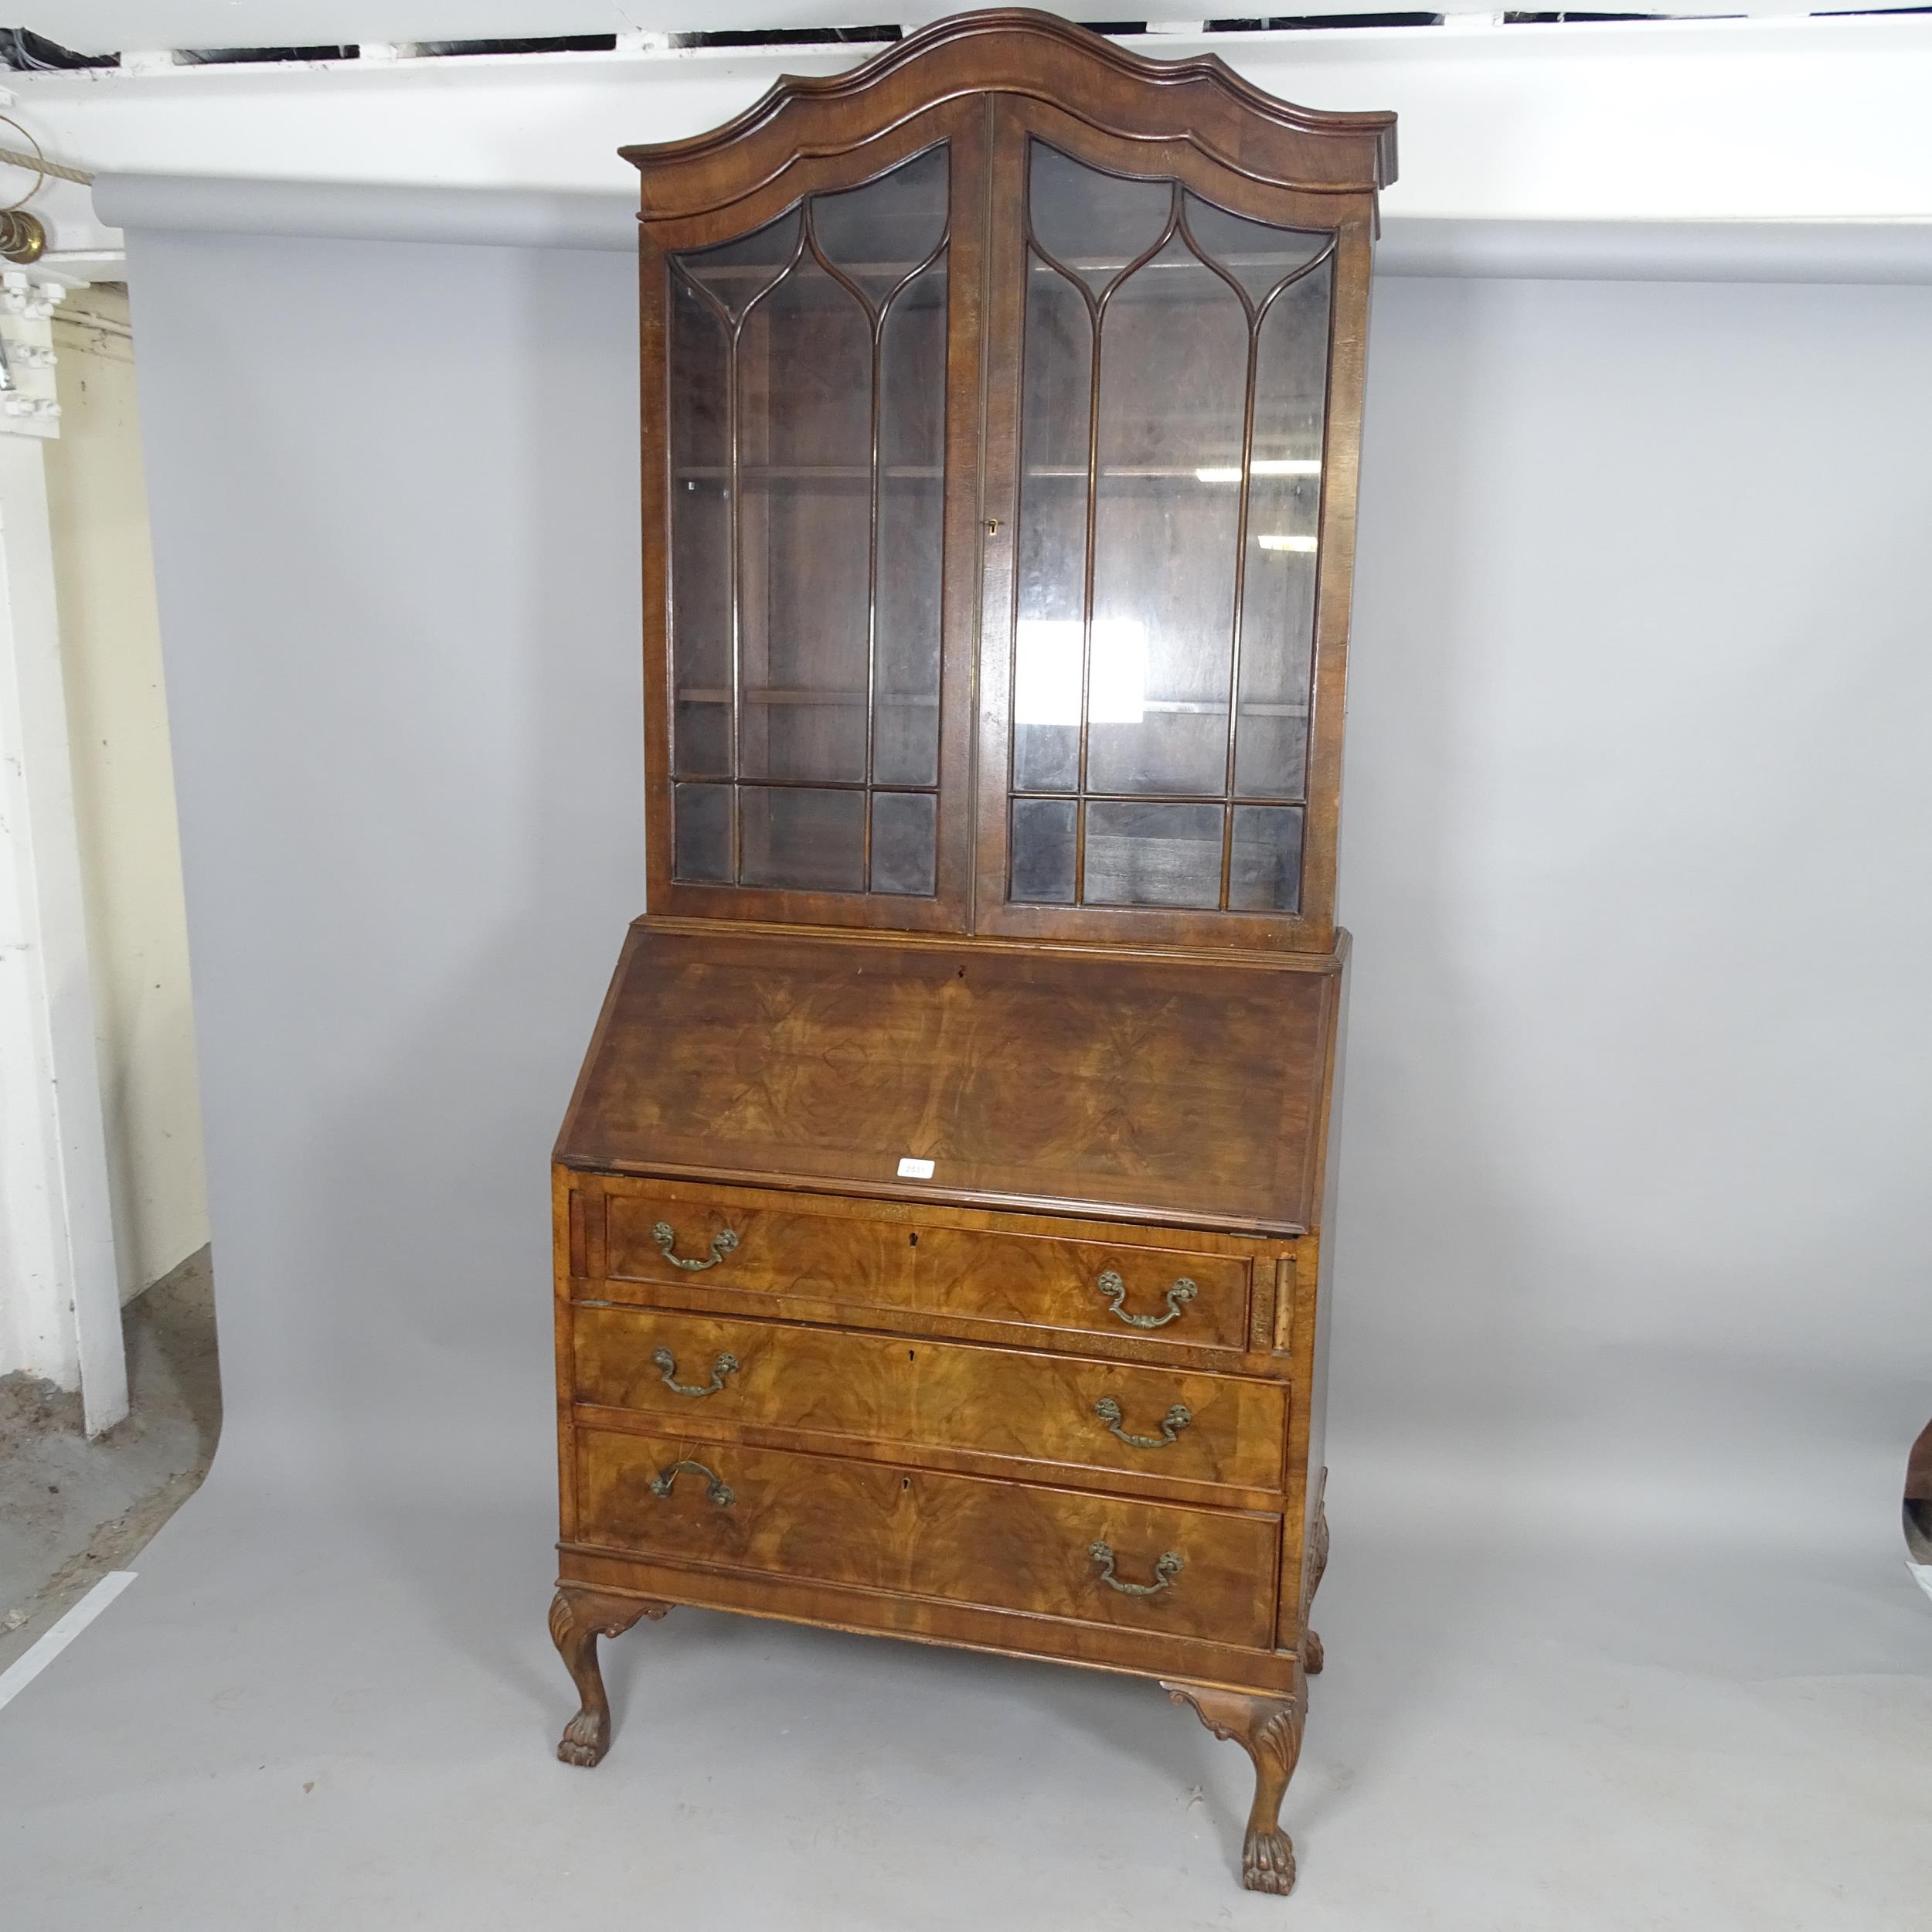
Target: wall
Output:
[
  {"x": 1634, "y": 854},
  {"x": 1637, "y": 830},
  {"x": 396, "y": 555},
  {"x": 124, "y": 794}
]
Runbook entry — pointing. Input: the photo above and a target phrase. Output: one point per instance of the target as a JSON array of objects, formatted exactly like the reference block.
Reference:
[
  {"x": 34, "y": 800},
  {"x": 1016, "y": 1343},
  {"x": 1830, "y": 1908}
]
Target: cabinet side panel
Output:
[
  {"x": 567, "y": 1210},
  {"x": 1336, "y": 581},
  {"x": 1313, "y": 1283},
  {"x": 654, "y": 508}
]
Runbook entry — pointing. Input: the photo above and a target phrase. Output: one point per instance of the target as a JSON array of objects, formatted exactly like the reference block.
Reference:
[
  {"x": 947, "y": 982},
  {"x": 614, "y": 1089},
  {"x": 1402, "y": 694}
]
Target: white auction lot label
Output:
[{"x": 911, "y": 1169}]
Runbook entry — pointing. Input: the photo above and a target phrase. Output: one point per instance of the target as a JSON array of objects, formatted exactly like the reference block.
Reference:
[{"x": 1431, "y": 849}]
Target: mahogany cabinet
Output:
[{"x": 939, "y": 1215}]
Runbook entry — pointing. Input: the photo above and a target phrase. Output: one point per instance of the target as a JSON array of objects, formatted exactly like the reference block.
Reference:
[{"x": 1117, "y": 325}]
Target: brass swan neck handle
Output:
[
  {"x": 1110, "y": 1285},
  {"x": 666, "y": 1365},
  {"x": 1167, "y": 1566},
  {"x": 1176, "y": 1419},
  {"x": 722, "y": 1243},
  {"x": 715, "y": 1487}
]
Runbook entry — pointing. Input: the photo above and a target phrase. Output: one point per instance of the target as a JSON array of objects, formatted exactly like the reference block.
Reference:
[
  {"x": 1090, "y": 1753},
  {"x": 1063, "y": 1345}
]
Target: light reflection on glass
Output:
[{"x": 1047, "y": 673}]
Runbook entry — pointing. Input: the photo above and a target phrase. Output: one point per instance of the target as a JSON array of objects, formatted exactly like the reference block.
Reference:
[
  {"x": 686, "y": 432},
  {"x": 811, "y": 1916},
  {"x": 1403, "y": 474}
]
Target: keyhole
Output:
[
  {"x": 914, "y": 1238},
  {"x": 905, "y": 1482},
  {"x": 909, "y": 1354}
]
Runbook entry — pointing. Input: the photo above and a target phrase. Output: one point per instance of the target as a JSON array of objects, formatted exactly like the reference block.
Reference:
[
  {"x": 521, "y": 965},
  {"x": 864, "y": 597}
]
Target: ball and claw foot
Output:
[
  {"x": 1312, "y": 1657},
  {"x": 585, "y": 1739},
  {"x": 1267, "y": 1862}
]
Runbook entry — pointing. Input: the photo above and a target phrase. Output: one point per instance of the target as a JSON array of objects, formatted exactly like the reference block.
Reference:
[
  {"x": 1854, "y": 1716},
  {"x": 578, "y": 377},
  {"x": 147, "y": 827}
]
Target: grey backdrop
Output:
[{"x": 1632, "y": 1330}]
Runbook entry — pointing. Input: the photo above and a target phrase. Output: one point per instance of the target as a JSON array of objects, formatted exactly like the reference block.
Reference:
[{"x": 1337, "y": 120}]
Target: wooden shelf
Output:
[
  {"x": 1175, "y": 472},
  {"x": 1218, "y": 708},
  {"x": 909, "y": 700},
  {"x": 1095, "y": 265},
  {"x": 931, "y": 473},
  {"x": 783, "y": 694},
  {"x": 808, "y": 473},
  {"x": 1284, "y": 264},
  {"x": 771, "y": 271}
]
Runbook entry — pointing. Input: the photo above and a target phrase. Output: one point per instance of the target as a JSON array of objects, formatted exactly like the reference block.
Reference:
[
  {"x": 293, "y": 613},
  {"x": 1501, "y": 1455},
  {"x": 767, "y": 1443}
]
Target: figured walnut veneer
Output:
[
  {"x": 935, "y": 1257},
  {"x": 871, "y": 1526},
  {"x": 829, "y": 1388},
  {"x": 1148, "y": 1087}
]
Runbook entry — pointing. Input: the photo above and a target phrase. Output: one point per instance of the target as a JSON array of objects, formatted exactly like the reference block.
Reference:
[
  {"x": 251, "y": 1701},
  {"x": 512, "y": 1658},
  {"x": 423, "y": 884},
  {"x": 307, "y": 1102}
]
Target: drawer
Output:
[
  {"x": 969, "y": 1539},
  {"x": 1000, "y": 1402},
  {"x": 1142, "y": 1288}
]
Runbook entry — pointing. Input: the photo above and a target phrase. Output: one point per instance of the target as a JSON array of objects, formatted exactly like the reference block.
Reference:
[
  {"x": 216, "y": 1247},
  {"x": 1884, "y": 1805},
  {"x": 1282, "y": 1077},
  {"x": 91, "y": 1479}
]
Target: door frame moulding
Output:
[{"x": 59, "y": 1286}]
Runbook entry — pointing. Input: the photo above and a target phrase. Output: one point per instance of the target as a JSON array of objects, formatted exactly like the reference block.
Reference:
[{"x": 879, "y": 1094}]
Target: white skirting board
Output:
[{"x": 29, "y": 1665}]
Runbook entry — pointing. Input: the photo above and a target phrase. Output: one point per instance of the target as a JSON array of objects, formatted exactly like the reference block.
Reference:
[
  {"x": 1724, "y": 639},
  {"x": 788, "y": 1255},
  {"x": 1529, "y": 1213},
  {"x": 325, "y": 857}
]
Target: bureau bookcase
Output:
[{"x": 941, "y": 1215}]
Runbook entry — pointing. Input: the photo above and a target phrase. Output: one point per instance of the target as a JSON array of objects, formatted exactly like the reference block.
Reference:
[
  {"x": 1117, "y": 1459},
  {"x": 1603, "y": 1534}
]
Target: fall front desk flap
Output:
[{"x": 1152, "y": 1089}]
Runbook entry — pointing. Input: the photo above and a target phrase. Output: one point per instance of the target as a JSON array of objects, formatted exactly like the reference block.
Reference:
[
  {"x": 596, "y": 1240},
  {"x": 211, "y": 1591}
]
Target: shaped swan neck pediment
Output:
[{"x": 1198, "y": 99}]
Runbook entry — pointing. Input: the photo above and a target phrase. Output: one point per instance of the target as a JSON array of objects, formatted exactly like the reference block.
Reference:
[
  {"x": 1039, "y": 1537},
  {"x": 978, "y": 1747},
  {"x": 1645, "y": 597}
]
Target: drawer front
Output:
[
  {"x": 1042, "y": 1282},
  {"x": 1003, "y": 1402},
  {"x": 1101, "y": 1559}
]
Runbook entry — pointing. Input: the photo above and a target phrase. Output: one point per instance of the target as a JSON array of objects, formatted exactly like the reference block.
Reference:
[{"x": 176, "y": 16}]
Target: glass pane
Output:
[
  {"x": 879, "y": 233},
  {"x": 1264, "y": 873},
  {"x": 735, "y": 274},
  {"x": 1167, "y": 342},
  {"x": 904, "y": 842},
  {"x": 701, "y": 836},
  {"x": 1041, "y": 841},
  {"x": 701, "y": 736},
  {"x": 700, "y": 533},
  {"x": 1284, "y": 505},
  {"x": 810, "y": 841},
  {"x": 1174, "y": 356},
  {"x": 804, "y": 431},
  {"x": 807, "y": 401},
  {"x": 911, "y": 434},
  {"x": 1149, "y": 855},
  {"x": 1092, "y": 224},
  {"x": 1257, "y": 256},
  {"x": 1057, "y": 385}
]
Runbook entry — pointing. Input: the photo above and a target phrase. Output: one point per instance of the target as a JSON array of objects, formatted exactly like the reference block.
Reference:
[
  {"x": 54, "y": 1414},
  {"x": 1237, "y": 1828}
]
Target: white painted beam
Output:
[
  {"x": 111, "y": 26},
  {"x": 1844, "y": 252},
  {"x": 1761, "y": 251},
  {"x": 364, "y": 211},
  {"x": 1800, "y": 119}
]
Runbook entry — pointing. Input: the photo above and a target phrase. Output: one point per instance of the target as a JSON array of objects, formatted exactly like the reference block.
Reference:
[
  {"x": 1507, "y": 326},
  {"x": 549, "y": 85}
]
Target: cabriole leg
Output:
[
  {"x": 1269, "y": 1729},
  {"x": 578, "y": 1618}
]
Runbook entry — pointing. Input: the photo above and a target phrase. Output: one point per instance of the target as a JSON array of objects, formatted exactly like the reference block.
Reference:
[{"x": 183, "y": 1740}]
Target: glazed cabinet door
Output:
[
  {"x": 811, "y": 353},
  {"x": 1173, "y": 398}
]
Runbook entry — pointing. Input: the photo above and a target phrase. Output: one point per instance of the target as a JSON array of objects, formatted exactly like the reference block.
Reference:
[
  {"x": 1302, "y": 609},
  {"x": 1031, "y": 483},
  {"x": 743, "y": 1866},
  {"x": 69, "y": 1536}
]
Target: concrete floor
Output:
[
  {"x": 315, "y": 1713},
  {"x": 332, "y": 1701},
  {"x": 71, "y": 1510}
]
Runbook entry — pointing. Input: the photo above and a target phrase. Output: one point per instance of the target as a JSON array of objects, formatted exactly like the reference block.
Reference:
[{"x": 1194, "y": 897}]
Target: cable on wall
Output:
[{"x": 23, "y": 237}]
